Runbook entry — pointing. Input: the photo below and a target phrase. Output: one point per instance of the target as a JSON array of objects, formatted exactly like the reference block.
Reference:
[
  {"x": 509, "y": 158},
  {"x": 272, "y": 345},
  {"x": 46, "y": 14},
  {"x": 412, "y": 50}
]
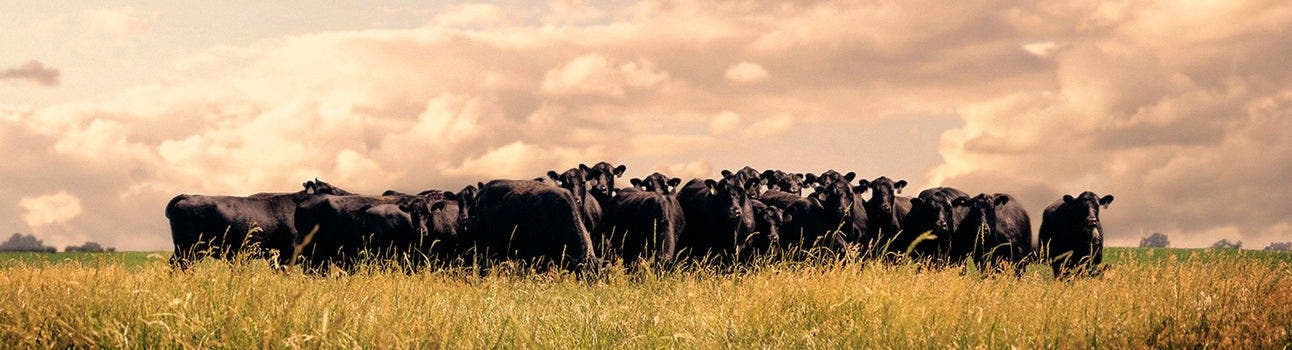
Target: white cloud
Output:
[
  {"x": 724, "y": 122},
  {"x": 746, "y": 73},
  {"x": 120, "y": 22},
  {"x": 593, "y": 74},
  {"x": 50, "y": 209},
  {"x": 768, "y": 127},
  {"x": 1041, "y": 48}
]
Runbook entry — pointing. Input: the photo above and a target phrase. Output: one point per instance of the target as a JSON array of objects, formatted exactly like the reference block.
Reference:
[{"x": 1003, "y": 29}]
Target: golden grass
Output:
[{"x": 1231, "y": 302}]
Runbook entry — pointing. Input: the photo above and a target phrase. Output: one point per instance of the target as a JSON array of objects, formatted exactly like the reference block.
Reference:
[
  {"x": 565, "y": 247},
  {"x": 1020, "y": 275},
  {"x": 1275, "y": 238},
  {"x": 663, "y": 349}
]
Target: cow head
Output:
[
  {"x": 783, "y": 181},
  {"x": 730, "y": 196},
  {"x": 601, "y": 178},
  {"x": 573, "y": 180},
  {"x": 883, "y": 193},
  {"x": 983, "y": 207},
  {"x": 1088, "y": 203},
  {"x": 837, "y": 198},
  {"x": 658, "y": 183},
  {"x": 830, "y": 176},
  {"x": 941, "y": 211},
  {"x": 426, "y": 214},
  {"x": 768, "y": 220}
]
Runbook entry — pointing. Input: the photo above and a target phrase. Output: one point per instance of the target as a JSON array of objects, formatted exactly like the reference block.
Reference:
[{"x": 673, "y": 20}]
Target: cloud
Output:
[
  {"x": 1182, "y": 125},
  {"x": 768, "y": 127},
  {"x": 475, "y": 15},
  {"x": 746, "y": 73},
  {"x": 50, "y": 209},
  {"x": 724, "y": 122},
  {"x": 1041, "y": 48},
  {"x": 119, "y": 22},
  {"x": 33, "y": 71},
  {"x": 593, "y": 74}
]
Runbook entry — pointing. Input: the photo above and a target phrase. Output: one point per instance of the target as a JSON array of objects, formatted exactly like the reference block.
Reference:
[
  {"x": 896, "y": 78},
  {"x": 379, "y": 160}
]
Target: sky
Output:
[{"x": 1177, "y": 108}]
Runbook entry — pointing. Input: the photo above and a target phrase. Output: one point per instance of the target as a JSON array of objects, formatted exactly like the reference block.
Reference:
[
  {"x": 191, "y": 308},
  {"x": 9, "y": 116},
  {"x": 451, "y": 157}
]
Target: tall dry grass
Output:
[{"x": 1228, "y": 302}]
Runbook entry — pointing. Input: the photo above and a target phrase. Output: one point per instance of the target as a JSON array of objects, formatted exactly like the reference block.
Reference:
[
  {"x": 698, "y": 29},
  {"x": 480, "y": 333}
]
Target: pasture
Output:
[{"x": 1149, "y": 298}]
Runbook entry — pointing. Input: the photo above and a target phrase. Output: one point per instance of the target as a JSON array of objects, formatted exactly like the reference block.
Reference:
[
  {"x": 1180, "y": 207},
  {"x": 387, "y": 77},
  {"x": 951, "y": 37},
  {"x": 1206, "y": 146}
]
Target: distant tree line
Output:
[
  {"x": 1155, "y": 240},
  {"x": 88, "y": 247},
  {"x": 29, "y": 243},
  {"x": 24, "y": 243},
  {"x": 1283, "y": 246}
]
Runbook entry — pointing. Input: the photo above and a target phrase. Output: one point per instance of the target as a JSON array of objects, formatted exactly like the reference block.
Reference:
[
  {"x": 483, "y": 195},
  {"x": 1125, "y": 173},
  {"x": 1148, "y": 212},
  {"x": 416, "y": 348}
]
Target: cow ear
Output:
[
  {"x": 619, "y": 170},
  {"x": 1067, "y": 198},
  {"x": 798, "y": 176},
  {"x": 450, "y": 196},
  {"x": 899, "y": 186},
  {"x": 710, "y": 184},
  {"x": 786, "y": 216},
  {"x": 479, "y": 185},
  {"x": 753, "y": 184},
  {"x": 406, "y": 207},
  {"x": 859, "y": 189},
  {"x": 1001, "y": 200},
  {"x": 1106, "y": 200},
  {"x": 960, "y": 202},
  {"x": 674, "y": 182},
  {"x": 555, "y": 177},
  {"x": 809, "y": 178},
  {"x": 851, "y": 175},
  {"x": 726, "y": 173},
  {"x": 863, "y": 183},
  {"x": 584, "y": 167},
  {"x": 768, "y": 174},
  {"x": 635, "y": 182},
  {"x": 917, "y": 201},
  {"x": 439, "y": 205}
]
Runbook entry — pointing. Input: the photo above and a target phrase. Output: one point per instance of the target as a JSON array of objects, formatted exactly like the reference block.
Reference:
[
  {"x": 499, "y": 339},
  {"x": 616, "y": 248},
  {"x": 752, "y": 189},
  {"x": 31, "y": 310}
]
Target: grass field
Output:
[{"x": 1149, "y": 298}]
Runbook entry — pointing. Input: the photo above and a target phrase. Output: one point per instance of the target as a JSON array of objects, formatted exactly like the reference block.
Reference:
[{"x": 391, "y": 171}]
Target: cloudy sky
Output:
[{"x": 1179, "y": 109}]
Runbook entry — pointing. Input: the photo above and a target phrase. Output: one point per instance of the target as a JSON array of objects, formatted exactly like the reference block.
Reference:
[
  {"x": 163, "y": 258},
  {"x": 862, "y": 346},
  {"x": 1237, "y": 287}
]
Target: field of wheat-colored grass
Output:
[{"x": 1149, "y": 298}]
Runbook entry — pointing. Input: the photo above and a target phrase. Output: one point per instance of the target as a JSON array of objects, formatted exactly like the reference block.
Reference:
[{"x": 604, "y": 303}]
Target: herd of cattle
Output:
[{"x": 581, "y": 218}]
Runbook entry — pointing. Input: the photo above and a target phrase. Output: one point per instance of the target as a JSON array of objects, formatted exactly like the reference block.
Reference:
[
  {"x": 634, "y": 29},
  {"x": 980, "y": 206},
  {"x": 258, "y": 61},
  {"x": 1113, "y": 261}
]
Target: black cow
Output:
[
  {"x": 743, "y": 176},
  {"x": 828, "y": 177},
  {"x": 575, "y": 180},
  {"x": 658, "y": 183},
  {"x": 601, "y": 179},
  {"x": 768, "y": 221},
  {"x": 342, "y": 230},
  {"x": 996, "y": 231},
  {"x": 718, "y": 217},
  {"x": 1072, "y": 236},
  {"x": 440, "y": 223},
  {"x": 529, "y": 221},
  {"x": 887, "y": 212},
  {"x": 643, "y": 225},
  {"x": 931, "y": 223},
  {"x": 222, "y": 226},
  {"x": 831, "y": 218},
  {"x": 783, "y": 181}
]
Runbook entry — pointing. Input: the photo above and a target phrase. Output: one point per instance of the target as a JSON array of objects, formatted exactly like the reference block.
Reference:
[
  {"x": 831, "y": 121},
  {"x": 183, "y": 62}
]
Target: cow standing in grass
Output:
[
  {"x": 575, "y": 180},
  {"x": 931, "y": 223},
  {"x": 222, "y": 226},
  {"x": 530, "y": 222},
  {"x": 718, "y": 218},
  {"x": 887, "y": 215},
  {"x": 1072, "y": 236},
  {"x": 642, "y": 225},
  {"x": 996, "y": 232}
]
